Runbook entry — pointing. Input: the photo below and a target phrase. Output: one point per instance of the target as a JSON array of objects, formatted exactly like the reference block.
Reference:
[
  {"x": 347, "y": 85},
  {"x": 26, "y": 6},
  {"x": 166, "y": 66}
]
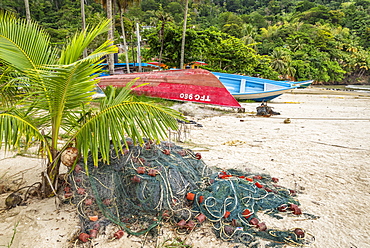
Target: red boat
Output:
[{"x": 194, "y": 85}]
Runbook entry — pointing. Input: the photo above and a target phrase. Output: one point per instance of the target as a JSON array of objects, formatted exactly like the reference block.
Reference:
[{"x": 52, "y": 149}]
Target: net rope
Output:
[{"x": 155, "y": 183}]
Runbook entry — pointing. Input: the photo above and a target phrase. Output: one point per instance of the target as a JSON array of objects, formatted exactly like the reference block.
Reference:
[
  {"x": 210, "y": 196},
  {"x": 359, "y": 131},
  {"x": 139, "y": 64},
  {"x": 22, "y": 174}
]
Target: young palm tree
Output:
[{"x": 59, "y": 89}]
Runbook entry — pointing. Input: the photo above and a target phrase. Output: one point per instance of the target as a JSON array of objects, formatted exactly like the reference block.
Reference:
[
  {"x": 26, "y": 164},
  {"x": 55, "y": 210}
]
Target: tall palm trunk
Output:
[
  {"x": 110, "y": 35},
  {"x": 28, "y": 13},
  {"x": 124, "y": 40},
  {"x": 83, "y": 22},
  {"x": 183, "y": 35},
  {"x": 162, "y": 43}
]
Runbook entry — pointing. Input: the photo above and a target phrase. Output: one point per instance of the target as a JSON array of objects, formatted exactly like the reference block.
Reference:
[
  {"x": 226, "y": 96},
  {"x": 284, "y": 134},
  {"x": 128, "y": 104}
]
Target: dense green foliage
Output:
[{"x": 323, "y": 40}]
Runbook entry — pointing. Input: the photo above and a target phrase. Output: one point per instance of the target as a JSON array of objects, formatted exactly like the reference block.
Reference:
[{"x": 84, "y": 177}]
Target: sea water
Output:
[{"x": 358, "y": 87}]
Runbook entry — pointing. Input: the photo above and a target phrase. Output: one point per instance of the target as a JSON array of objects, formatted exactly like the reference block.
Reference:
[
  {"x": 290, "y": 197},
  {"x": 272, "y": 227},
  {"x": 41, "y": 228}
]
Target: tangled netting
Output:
[{"x": 151, "y": 184}]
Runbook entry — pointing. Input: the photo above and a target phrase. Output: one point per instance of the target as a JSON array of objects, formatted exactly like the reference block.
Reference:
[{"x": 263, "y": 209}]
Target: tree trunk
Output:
[
  {"x": 162, "y": 43},
  {"x": 138, "y": 46},
  {"x": 50, "y": 179},
  {"x": 124, "y": 41},
  {"x": 83, "y": 23},
  {"x": 28, "y": 14},
  {"x": 183, "y": 35},
  {"x": 110, "y": 36}
]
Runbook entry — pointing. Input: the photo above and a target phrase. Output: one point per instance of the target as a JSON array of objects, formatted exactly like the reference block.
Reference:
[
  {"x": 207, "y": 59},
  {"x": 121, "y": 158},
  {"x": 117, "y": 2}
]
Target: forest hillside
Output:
[{"x": 327, "y": 41}]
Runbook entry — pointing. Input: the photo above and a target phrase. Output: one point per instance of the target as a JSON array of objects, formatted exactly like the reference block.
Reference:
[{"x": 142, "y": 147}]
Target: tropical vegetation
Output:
[
  {"x": 327, "y": 41},
  {"x": 46, "y": 95}
]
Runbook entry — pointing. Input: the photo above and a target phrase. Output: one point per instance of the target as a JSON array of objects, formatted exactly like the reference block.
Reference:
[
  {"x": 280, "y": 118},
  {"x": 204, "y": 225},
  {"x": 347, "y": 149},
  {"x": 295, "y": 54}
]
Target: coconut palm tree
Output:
[
  {"x": 281, "y": 62},
  {"x": 184, "y": 32},
  {"x": 110, "y": 35},
  {"x": 60, "y": 85},
  {"x": 83, "y": 17},
  {"x": 27, "y": 6},
  {"x": 163, "y": 18},
  {"x": 108, "y": 5},
  {"x": 123, "y": 6}
]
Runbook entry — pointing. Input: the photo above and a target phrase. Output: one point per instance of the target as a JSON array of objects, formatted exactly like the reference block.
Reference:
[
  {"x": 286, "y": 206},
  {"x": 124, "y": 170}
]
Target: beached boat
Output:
[
  {"x": 198, "y": 85},
  {"x": 195, "y": 85},
  {"x": 253, "y": 88},
  {"x": 303, "y": 84}
]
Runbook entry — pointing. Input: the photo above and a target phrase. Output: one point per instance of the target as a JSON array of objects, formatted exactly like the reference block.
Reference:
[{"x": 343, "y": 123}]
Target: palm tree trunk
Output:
[
  {"x": 83, "y": 22},
  {"x": 28, "y": 14},
  {"x": 162, "y": 43},
  {"x": 124, "y": 41},
  {"x": 110, "y": 36},
  {"x": 50, "y": 178},
  {"x": 183, "y": 35}
]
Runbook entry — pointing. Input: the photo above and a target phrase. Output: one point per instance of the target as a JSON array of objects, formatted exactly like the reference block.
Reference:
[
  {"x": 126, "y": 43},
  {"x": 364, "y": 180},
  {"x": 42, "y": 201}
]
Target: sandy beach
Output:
[{"x": 323, "y": 153}]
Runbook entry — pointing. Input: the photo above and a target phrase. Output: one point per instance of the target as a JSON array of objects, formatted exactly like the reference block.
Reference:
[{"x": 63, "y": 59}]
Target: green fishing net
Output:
[{"x": 156, "y": 183}]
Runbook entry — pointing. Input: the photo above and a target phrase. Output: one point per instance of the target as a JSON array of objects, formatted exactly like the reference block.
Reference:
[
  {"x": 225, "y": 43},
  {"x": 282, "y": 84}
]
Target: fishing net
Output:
[
  {"x": 141, "y": 183},
  {"x": 233, "y": 201},
  {"x": 156, "y": 183}
]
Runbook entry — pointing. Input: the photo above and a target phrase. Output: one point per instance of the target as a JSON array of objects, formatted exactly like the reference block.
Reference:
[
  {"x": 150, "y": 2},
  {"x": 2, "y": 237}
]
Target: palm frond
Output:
[
  {"x": 137, "y": 120},
  {"x": 16, "y": 130},
  {"x": 80, "y": 41},
  {"x": 23, "y": 44}
]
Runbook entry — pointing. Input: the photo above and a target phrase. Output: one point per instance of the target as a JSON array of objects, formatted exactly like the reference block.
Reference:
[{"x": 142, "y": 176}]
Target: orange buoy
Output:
[
  {"x": 198, "y": 155},
  {"x": 296, "y": 210},
  {"x": 93, "y": 218},
  {"x": 227, "y": 214},
  {"x": 166, "y": 152},
  {"x": 190, "y": 225},
  {"x": 201, "y": 218},
  {"x": 246, "y": 213},
  {"x": 84, "y": 237},
  {"x": 275, "y": 180},
  {"x": 254, "y": 221},
  {"x": 152, "y": 172},
  {"x": 258, "y": 185},
  {"x": 119, "y": 234},
  {"x": 190, "y": 196},
  {"x": 136, "y": 179},
  {"x": 181, "y": 223},
  {"x": 262, "y": 226},
  {"x": 93, "y": 233},
  {"x": 140, "y": 170},
  {"x": 299, "y": 232}
]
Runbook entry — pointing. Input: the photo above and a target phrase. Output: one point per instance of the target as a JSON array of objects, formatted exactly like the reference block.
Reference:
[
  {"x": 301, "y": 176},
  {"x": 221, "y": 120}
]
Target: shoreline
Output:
[{"x": 328, "y": 91}]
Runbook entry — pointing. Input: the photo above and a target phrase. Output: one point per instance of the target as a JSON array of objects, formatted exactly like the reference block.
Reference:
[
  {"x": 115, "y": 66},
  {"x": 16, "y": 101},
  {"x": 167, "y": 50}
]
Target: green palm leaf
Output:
[
  {"x": 123, "y": 118},
  {"x": 80, "y": 41},
  {"x": 19, "y": 130},
  {"x": 24, "y": 45}
]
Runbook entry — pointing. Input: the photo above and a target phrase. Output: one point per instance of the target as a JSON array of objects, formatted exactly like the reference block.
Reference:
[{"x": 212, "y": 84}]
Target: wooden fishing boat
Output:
[
  {"x": 253, "y": 88},
  {"x": 303, "y": 84},
  {"x": 195, "y": 85}
]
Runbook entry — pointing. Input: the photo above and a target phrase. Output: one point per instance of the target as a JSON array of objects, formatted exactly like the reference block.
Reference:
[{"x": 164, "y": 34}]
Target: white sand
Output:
[{"x": 324, "y": 153}]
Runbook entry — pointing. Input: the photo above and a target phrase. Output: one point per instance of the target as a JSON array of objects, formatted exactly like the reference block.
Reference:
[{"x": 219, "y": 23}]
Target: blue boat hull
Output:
[{"x": 252, "y": 88}]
